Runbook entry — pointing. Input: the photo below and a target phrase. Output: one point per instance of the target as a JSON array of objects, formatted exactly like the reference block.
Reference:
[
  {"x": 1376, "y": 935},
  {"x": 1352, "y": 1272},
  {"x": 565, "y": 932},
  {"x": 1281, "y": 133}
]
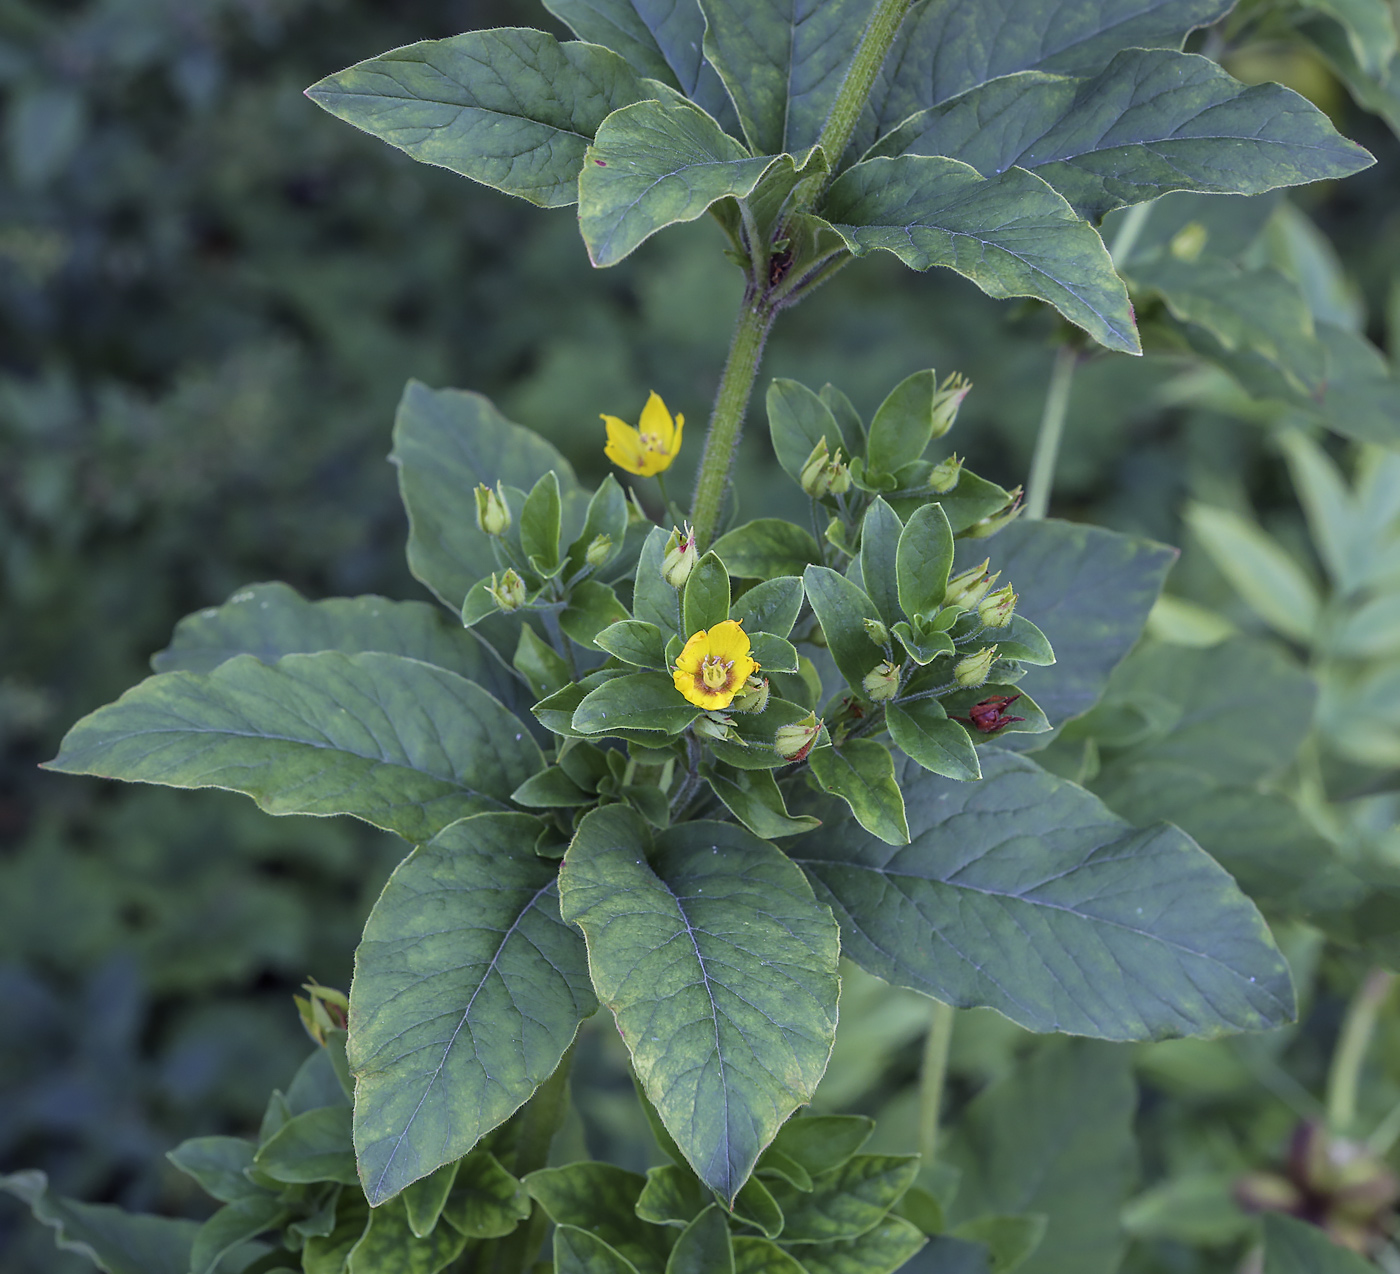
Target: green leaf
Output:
[
  {"x": 706, "y": 598},
  {"x": 637, "y": 701},
  {"x": 1261, "y": 570},
  {"x": 752, "y": 796},
  {"x": 592, "y": 607},
  {"x": 767, "y": 547},
  {"x": 389, "y": 1243},
  {"x": 653, "y": 599},
  {"x": 922, "y": 731},
  {"x": 762, "y": 1256},
  {"x": 842, "y": 609},
  {"x": 783, "y": 62},
  {"x": 464, "y": 939},
  {"x": 1101, "y": 929},
  {"x": 511, "y": 108},
  {"x": 773, "y": 1163},
  {"x": 113, "y": 1240},
  {"x": 1055, "y": 1136},
  {"x": 861, "y": 773},
  {"x": 755, "y": 1206},
  {"x": 1369, "y": 27},
  {"x": 881, "y": 1250},
  {"x": 445, "y": 443},
  {"x": 1009, "y": 1239},
  {"x": 328, "y": 1255},
  {"x": 540, "y": 664},
  {"x": 217, "y": 1163},
  {"x": 1012, "y": 235},
  {"x": 759, "y": 732},
  {"x": 1151, "y": 122},
  {"x": 578, "y": 1251},
  {"x": 922, "y": 562},
  {"x": 774, "y": 654},
  {"x": 654, "y": 164},
  {"x": 959, "y": 702},
  {"x": 607, "y": 515},
  {"x": 233, "y": 1225},
  {"x": 313, "y": 1146},
  {"x": 704, "y": 1246},
  {"x": 923, "y": 648},
  {"x": 821, "y": 1143},
  {"x": 426, "y": 1197},
  {"x": 603, "y": 1198},
  {"x": 846, "y": 1201},
  {"x": 551, "y": 788},
  {"x": 398, "y": 743},
  {"x": 879, "y": 546},
  {"x": 1298, "y": 1247},
  {"x": 798, "y": 420},
  {"x": 970, "y": 501},
  {"x": 672, "y": 1195},
  {"x": 1023, "y": 641},
  {"x": 770, "y": 607},
  {"x": 720, "y": 969},
  {"x": 903, "y": 424},
  {"x": 486, "y": 1202},
  {"x": 635, "y": 642},
  {"x": 1088, "y": 589},
  {"x": 539, "y": 525}
]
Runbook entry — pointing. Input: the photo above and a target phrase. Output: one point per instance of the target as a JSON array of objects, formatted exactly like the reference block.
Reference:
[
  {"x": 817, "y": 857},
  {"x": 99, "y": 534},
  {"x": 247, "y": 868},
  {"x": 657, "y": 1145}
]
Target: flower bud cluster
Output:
[
  {"x": 492, "y": 511},
  {"x": 825, "y": 473}
]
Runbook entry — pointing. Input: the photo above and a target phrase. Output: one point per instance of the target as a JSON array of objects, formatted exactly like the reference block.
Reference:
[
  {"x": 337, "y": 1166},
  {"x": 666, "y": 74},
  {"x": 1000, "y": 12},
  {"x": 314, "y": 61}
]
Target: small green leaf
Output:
[
  {"x": 846, "y": 1201},
  {"x": 774, "y": 1163},
  {"x": 389, "y": 1243},
  {"x": 539, "y": 525},
  {"x": 328, "y": 1254},
  {"x": 466, "y": 932},
  {"x": 603, "y": 1198},
  {"x": 924, "y": 558},
  {"x": 637, "y": 701},
  {"x": 767, "y": 547},
  {"x": 879, "y": 543},
  {"x": 218, "y": 1164},
  {"x": 1299, "y": 1247},
  {"x": 1009, "y": 1240},
  {"x": 922, "y": 731},
  {"x": 607, "y": 515},
  {"x": 970, "y": 501},
  {"x": 592, "y": 607},
  {"x": 762, "y": 1256},
  {"x": 673, "y": 1195},
  {"x": 726, "y": 1037},
  {"x": 486, "y": 1201},
  {"x": 774, "y": 654},
  {"x": 540, "y": 664},
  {"x": 425, "y": 1198},
  {"x": 770, "y": 607},
  {"x": 706, "y": 601},
  {"x": 903, "y": 424},
  {"x": 233, "y": 1225},
  {"x": 821, "y": 1143},
  {"x": 752, "y": 796},
  {"x": 398, "y": 743},
  {"x": 958, "y": 703},
  {"x": 653, "y": 599},
  {"x": 511, "y": 108},
  {"x": 842, "y": 609},
  {"x": 798, "y": 421},
  {"x": 754, "y": 1205},
  {"x": 654, "y": 164},
  {"x": 1012, "y": 235},
  {"x": 578, "y": 1251},
  {"x": 923, "y": 648},
  {"x": 313, "y": 1146},
  {"x": 634, "y": 641},
  {"x": 703, "y": 1247},
  {"x": 1020, "y": 639},
  {"x": 880, "y": 1250},
  {"x": 861, "y": 773},
  {"x": 551, "y": 788}
]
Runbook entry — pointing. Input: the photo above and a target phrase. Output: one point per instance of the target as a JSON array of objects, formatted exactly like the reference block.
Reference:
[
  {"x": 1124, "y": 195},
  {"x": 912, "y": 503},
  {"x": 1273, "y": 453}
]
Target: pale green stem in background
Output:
[
  {"x": 935, "y": 1072},
  {"x": 1128, "y": 231},
  {"x": 1052, "y": 428},
  {"x": 1386, "y": 1133},
  {"x": 1358, "y": 1027}
]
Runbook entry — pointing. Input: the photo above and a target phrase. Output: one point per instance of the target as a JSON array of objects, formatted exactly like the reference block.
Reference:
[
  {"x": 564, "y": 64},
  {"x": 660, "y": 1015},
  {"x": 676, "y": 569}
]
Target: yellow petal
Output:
[
  {"x": 624, "y": 446},
  {"x": 657, "y": 420},
  {"x": 675, "y": 448}
]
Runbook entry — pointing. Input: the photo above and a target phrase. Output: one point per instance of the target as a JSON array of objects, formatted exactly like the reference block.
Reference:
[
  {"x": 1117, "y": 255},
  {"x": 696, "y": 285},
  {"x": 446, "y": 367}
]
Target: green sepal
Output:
[
  {"x": 861, "y": 773},
  {"x": 706, "y": 598},
  {"x": 592, "y": 607},
  {"x": 922, "y": 731},
  {"x": 636, "y": 701},
  {"x": 635, "y": 642},
  {"x": 767, "y": 547},
  {"x": 770, "y": 607},
  {"x": 923, "y": 560}
]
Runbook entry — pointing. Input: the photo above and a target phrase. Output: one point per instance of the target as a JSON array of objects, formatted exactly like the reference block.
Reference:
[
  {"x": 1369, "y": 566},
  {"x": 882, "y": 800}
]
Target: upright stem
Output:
[
  {"x": 1359, "y": 1025},
  {"x": 1052, "y": 428},
  {"x": 727, "y": 419},
  {"x": 935, "y": 1072}
]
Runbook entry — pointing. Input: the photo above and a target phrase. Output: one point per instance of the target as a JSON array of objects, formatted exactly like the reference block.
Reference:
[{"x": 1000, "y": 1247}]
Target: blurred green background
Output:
[{"x": 211, "y": 295}]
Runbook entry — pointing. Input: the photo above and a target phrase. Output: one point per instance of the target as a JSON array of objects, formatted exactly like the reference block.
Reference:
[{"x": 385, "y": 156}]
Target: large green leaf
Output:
[
  {"x": 1054, "y": 1137},
  {"x": 861, "y": 773},
  {"x": 1026, "y": 893},
  {"x": 401, "y": 744},
  {"x": 767, "y": 548},
  {"x": 1152, "y": 121},
  {"x": 783, "y": 62},
  {"x": 1012, "y": 235},
  {"x": 468, "y": 988},
  {"x": 1089, "y": 590},
  {"x": 113, "y": 1240},
  {"x": 720, "y": 967},
  {"x": 654, "y": 164},
  {"x": 1299, "y": 1247},
  {"x": 445, "y": 443},
  {"x": 511, "y": 108}
]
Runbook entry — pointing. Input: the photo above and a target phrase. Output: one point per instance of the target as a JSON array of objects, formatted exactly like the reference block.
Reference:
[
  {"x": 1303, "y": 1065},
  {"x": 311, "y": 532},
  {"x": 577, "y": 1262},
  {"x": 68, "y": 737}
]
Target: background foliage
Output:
[{"x": 211, "y": 294}]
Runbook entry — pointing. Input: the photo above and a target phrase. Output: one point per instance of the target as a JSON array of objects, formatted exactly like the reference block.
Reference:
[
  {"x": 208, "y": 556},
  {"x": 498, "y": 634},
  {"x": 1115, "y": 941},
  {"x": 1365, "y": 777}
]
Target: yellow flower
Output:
[
  {"x": 650, "y": 448},
  {"x": 714, "y": 665}
]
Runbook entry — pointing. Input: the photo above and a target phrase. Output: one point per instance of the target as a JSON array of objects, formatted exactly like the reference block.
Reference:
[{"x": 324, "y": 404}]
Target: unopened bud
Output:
[
  {"x": 323, "y": 1010},
  {"x": 599, "y": 550},
  {"x": 945, "y": 475},
  {"x": 882, "y": 681},
  {"x": 947, "y": 401},
  {"x": 680, "y": 557},
  {"x": 824, "y": 474},
  {"x": 753, "y": 697},
  {"x": 876, "y": 631},
  {"x": 509, "y": 594},
  {"x": 715, "y": 725},
  {"x": 1189, "y": 242},
  {"x": 995, "y": 610},
  {"x": 990, "y": 526},
  {"x": 793, "y": 742},
  {"x": 973, "y": 670},
  {"x": 969, "y": 587},
  {"x": 492, "y": 511}
]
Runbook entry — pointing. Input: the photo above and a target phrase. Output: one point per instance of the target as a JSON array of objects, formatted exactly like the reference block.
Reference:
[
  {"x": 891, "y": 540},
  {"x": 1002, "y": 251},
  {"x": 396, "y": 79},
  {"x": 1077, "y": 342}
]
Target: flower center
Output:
[
  {"x": 715, "y": 672},
  {"x": 652, "y": 442}
]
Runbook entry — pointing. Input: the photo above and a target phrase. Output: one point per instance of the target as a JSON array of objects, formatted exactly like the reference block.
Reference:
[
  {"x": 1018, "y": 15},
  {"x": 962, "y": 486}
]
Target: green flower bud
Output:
[
  {"x": 510, "y": 592},
  {"x": 323, "y": 1010},
  {"x": 715, "y": 725},
  {"x": 793, "y": 742},
  {"x": 1189, "y": 242},
  {"x": 947, "y": 401},
  {"x": 945, "y": 475},
  {"x": 995, "y": 610},
  {"x": 876, "y": 631},
  {"x": 969, "y": 587},
  {"x": 599, "y": 550},
  {"x": 492, "y": 511},
  {"x": 882, "y": 681},
  {"x": 990, "y": 526},
  {"x": 824, "y": 474},
  {"x": 753, "y": 697},
  {"x": 973, "y": 670},
  {"x": 680, "y": 557}
]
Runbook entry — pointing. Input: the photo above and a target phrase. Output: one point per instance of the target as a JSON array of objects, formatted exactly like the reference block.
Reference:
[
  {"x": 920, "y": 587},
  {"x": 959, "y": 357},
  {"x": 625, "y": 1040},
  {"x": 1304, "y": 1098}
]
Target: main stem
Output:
[
  {"x": 931, "y": 1081},
  {"x": 1052, "y": 428}
]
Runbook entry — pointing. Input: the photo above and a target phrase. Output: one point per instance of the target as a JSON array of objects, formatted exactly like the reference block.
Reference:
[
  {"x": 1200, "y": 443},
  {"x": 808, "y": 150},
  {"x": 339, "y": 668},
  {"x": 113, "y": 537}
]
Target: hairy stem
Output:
[
  {"x": 1359, "y": 1025},
  {"x": 1052, "y": 428},
  {"x": 935, "y": 1072}
]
